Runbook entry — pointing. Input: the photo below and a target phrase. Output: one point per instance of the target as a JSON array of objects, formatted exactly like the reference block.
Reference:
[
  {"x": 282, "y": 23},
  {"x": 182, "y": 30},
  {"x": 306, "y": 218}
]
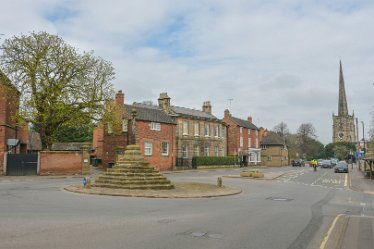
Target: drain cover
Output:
[
  {"x": 278, "y": 199},
  {"x": 198, "y": 234}
]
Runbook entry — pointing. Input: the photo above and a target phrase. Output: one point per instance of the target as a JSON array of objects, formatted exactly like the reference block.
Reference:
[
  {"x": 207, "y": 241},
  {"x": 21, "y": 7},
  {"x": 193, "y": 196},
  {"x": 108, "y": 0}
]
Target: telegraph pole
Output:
[{"x": 358, "y": 145}]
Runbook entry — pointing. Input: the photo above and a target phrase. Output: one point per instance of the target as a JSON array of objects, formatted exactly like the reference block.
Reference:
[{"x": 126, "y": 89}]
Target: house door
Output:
[{"x": 21, "y": 164}]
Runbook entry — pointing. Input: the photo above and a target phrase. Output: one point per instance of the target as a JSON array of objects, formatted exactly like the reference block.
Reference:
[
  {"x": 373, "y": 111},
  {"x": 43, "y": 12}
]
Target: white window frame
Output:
[
  {"x": 184, "y": 151},
  {"x": 270, "y": 158},
  {"x": 207, "y": 129},
  {"x": 197, "y": 129},
  {"x": 148, "y": 148},
  {"x": 223, "y": 131},
  {"x": 216, "y": 129},
  {"x": 216, "y": 151},
  {"x": 155, "y": 126},
  {"x": 241, "y": 130},
  {"x": 185, "y": 127},
  {"x": 206, "y": 150},
  {"x": 241, "y": 141},
  {"x": 249, "y": 142},
  {"x": 163, "y": 153},
  {"x": 196, "y": 151}
]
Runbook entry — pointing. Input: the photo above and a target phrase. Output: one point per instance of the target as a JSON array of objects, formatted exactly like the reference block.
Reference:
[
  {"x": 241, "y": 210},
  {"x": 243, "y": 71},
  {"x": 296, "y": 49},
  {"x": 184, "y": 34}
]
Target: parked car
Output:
[
  {"x": 334, "y": 161},
  {"x": 298, "y": 162},
  {"x": 341, "y": 167},
  {"x": 326, "y": 164}
]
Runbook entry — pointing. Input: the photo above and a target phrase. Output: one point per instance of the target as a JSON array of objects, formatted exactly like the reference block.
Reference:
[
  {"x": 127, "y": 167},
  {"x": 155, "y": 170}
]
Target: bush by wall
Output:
[{"x": 210, "y": 160}]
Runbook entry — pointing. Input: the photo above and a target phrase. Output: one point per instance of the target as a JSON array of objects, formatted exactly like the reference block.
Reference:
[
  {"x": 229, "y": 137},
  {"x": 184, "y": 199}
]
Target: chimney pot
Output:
[{"x": 120, "y": 98}]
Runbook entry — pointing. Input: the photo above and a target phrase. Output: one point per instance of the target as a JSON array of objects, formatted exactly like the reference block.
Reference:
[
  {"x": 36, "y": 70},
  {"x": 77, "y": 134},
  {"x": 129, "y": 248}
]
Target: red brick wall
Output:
[
  {"x": 233, "y": 134},
  {"x": 8, "y": 107},
  {"x": 60, "y": 162},
  {"x": 166, "y": 134},
  {"x": 97, "y": 141},
  {"x": 110, "y": 142}
]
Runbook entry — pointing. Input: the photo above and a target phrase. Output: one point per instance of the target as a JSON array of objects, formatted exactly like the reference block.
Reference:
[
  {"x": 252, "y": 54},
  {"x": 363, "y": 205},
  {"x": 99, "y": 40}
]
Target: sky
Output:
[{"x": 276, "y": 61}]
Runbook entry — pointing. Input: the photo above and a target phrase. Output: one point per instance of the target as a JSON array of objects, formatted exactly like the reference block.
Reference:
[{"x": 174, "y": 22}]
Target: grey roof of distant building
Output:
[
  {"x": 73, "y": 146},
  {"x": 150, "y": 113},
  {"x": 244, "y": 123},
  {"x": 272, "y": 139},
  {"x": 183, "y": 111}
]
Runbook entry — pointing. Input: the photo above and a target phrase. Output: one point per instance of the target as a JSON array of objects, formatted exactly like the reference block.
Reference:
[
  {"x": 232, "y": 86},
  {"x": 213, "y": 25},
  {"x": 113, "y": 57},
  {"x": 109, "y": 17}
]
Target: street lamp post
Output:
[{"x": 363, "y": 135}]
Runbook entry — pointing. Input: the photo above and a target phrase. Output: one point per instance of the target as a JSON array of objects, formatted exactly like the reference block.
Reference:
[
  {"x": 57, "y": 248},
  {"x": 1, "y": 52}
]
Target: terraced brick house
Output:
[
  {"x": 154, "y": 132},
  {"x": 198, "y": 133},
  {"x": 243, "y": 139}
]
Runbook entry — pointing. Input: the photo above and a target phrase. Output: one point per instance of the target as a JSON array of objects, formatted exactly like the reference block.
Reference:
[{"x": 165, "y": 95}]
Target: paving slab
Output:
[
  {"x": 267, "y": 176},
  {"x": 181, "y": 190},
  {"x": 358, "y": 182}
]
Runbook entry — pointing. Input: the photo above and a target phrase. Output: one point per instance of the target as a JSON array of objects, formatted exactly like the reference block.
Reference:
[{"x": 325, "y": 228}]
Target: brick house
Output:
[
  {"x": 198, "y": 133},
  {"x": 243, "y": 139},
  {"x": 13, "y": 138},
  {"x": 274, "y": 150},
  {"x": 155, "y": 133}
]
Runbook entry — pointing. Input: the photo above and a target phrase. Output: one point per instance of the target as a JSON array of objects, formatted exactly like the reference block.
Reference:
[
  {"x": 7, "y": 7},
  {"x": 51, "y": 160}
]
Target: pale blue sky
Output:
[{"x": 277, "y": 60}]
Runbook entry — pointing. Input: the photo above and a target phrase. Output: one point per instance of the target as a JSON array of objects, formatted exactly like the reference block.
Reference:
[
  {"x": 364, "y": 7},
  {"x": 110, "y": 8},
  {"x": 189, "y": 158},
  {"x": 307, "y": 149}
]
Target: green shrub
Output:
[{"x": 210, "y": 160}]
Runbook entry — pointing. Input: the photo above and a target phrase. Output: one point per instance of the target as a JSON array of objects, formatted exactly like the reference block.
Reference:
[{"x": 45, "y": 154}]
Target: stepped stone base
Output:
[{"x": 132, "y": 171}]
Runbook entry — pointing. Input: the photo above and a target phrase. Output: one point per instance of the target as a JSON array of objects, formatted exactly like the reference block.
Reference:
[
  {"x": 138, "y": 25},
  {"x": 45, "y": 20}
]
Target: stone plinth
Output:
[{"x": 132, "y": 171}]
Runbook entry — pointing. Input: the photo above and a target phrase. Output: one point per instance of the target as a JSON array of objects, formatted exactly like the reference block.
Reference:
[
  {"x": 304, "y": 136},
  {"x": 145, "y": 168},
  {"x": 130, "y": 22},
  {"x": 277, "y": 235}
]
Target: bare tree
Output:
[{"x": 281, "y": 129}]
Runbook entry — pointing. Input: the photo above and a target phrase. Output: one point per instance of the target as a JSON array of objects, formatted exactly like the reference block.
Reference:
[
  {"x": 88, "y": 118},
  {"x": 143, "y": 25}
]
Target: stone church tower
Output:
[{"x": 343, "y": 128}]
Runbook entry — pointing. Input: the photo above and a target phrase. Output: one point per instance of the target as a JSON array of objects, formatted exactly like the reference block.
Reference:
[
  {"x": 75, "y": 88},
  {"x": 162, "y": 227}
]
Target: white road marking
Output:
[
  {"x": 323, "y": 244},
  {"x": 346, "y": 181}
]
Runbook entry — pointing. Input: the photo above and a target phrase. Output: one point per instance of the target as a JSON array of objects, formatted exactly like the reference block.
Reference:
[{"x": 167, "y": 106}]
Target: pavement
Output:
[{"x": 358, "y": 182}]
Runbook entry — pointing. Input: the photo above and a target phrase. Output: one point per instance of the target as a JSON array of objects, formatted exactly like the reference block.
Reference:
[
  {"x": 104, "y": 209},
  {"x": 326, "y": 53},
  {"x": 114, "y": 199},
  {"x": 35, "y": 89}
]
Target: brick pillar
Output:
[{"x": 86, "y": 169}]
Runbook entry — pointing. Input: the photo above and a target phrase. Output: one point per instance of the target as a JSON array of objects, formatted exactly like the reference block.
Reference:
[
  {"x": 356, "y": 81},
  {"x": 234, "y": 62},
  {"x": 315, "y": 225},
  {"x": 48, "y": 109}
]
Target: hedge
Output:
[{"x": 210, "y": 160}]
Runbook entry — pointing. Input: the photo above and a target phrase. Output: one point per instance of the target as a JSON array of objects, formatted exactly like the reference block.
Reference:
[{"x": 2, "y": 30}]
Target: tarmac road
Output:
[{"x": 296, "y": 210}]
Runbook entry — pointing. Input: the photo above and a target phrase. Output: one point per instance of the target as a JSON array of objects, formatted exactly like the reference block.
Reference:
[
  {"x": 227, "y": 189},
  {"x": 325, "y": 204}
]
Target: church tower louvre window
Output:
[{"x": 343, "y": 123}]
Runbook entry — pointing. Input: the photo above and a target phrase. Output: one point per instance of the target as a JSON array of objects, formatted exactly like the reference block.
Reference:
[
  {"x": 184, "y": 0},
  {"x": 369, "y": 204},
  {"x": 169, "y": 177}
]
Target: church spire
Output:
[{"x": 342, "y": 108}]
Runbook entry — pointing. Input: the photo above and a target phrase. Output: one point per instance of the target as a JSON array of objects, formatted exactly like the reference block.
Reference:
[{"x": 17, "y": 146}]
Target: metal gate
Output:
[{"x": 21, "y": 164}]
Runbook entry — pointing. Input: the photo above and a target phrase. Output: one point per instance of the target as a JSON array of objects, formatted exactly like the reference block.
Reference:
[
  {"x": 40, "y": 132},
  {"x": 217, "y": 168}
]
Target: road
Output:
[{"x": 301, "y": 209}]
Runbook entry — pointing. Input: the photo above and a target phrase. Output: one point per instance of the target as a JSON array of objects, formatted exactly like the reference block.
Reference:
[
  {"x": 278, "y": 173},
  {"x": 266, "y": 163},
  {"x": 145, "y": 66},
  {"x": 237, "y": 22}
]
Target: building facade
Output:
[
  {"x": 13, "y": 138},
  {"x": 343, "y": 128},
  {"x": 198, "y": 133},
  {"x": 274, "y": 151},
  {"x": 146, "y": 125},
  {"x": 243, "y": 139}
]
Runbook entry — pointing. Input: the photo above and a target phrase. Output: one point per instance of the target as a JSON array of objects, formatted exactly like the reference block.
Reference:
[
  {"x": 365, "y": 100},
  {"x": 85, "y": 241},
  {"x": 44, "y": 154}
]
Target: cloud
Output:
[{"x": 277, "y": 60}]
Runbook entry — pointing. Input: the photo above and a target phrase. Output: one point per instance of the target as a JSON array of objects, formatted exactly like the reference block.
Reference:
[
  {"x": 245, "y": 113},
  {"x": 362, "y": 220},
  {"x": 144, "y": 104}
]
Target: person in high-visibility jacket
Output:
[{"x": 314, "y": 164}]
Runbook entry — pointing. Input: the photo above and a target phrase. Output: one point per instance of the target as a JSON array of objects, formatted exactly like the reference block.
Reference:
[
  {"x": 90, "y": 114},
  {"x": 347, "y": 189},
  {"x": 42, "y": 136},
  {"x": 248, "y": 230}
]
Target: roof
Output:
[
  {"x": 244, "y": 123},
  {"x": 73, "y": 146},
  {"x": 150, "y": 113},
  {"x": 5, "y": 81},
  {"x": 183, "y": 111},
  {"x": 273, "y": 139}
]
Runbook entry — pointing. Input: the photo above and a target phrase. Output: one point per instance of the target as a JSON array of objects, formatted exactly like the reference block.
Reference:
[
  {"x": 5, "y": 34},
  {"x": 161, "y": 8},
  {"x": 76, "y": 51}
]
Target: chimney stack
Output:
[
  {"x": 207, "y": 107},
  {"x": 227, "y": 113},
  {"x": 164, "y": 102},
  {"x": 120, "y": 98},
  {"x": 249, "y": 119}
]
